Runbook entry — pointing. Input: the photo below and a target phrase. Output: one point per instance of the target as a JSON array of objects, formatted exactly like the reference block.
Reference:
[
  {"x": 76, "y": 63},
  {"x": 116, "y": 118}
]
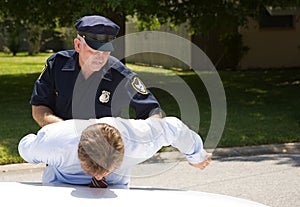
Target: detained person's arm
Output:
[
  {"x": 187, "y": 142},
  {"x": 38, "y": 148},
  {"x": 31, "y": 149},
  {"x": 54, "y": 144}
]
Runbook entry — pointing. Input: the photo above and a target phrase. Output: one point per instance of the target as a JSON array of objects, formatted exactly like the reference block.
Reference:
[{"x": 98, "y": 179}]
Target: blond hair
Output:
[{"x": 101, "y": 149}]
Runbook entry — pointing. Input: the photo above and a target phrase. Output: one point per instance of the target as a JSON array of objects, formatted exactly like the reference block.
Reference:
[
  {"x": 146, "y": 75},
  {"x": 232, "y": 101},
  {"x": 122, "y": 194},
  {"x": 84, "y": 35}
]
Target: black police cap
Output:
[{"x": 98, "y": 31}]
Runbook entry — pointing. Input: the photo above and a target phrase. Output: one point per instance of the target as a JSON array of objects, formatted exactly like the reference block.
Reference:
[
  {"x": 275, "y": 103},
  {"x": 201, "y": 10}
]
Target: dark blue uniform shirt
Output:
[{"x": 108, "y": 92}]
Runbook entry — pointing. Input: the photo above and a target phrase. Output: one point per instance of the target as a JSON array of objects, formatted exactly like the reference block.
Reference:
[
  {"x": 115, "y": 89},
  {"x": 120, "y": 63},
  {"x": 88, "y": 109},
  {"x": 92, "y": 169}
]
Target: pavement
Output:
[{"x": 267, "y": 174}]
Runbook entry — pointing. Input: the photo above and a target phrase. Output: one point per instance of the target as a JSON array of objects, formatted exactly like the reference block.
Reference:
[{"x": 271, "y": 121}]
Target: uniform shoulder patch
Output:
[
  {"x": 139, "y": 86},
  {"x": 43, "y": 71}
]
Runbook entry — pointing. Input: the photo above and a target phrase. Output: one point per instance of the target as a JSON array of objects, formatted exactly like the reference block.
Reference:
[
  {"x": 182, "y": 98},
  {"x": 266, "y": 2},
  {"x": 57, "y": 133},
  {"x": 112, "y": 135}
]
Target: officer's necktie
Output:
[{"x": 98, "y": 183}]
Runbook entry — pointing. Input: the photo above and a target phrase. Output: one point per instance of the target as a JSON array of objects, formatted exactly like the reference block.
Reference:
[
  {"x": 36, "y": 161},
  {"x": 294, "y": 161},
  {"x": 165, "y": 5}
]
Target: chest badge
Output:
[{"x": 104, "y": 98}]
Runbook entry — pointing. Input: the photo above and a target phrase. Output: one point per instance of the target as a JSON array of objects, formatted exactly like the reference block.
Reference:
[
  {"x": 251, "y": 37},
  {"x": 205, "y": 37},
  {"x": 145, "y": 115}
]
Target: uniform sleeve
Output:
[
  {"x": 180, "y": 136},
  {"x": 44, "y": 92},
  {"x": 142, "y": 100}
]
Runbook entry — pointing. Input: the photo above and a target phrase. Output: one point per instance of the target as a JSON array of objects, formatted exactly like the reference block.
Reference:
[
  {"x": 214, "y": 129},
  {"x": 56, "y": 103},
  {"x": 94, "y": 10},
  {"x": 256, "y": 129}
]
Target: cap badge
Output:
[
  {"x": 139, "y": 86},
  {"x": 104, "y": 98}
]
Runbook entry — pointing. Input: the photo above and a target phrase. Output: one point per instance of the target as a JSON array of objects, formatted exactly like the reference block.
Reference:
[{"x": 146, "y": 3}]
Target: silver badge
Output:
[{"x": 104, "y": 98}]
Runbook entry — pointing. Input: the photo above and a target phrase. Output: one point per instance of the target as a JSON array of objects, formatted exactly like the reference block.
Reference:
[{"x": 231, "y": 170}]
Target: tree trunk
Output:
[{"x": 34, "y": 35}]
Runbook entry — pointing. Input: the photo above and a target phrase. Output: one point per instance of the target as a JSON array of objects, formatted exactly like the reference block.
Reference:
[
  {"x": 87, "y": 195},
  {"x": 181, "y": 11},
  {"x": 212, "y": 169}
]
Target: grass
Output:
[
  {"x": 262, "y": 105},
  {"x": 17, "y": 75}
]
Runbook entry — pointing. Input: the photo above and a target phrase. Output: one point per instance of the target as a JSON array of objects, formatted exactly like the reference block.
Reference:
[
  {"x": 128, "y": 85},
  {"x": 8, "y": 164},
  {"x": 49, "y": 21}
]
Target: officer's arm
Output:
[
  {"x": 142, "y": 100},
  {"x": 43, "y": 115}
]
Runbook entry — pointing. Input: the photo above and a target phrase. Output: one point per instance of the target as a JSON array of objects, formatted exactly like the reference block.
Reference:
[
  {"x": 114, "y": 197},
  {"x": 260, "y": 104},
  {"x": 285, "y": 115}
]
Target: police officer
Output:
[{"x": 88, "y": 82}]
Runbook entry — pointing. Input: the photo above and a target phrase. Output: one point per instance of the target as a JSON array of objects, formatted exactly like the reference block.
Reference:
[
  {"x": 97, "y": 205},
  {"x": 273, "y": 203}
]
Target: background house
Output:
[
  {"x": 271, "y": 42},
  {"x": 274, "y": 42}
]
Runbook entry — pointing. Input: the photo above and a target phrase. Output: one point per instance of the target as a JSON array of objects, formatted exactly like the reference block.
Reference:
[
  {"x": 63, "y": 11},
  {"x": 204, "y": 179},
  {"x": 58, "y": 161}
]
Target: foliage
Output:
[
  {"x": 29, "y": 15},
  {"x": 35, "y": 15},
  {"x": 11, "y": 31},
  {"x": 205, "y": 15}
]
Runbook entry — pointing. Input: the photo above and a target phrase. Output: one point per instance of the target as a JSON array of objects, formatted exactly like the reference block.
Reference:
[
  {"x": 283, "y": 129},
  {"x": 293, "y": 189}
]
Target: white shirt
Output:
[{"x": 56, "y": 145}]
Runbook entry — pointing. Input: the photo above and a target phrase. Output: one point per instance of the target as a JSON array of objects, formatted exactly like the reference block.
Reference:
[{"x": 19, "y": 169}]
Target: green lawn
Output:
[{"x": 262, "y": 105}]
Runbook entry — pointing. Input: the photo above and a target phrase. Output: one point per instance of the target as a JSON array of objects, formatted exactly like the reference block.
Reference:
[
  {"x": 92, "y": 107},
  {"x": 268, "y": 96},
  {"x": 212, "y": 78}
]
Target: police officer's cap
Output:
[{"x": 98, "y": 31}]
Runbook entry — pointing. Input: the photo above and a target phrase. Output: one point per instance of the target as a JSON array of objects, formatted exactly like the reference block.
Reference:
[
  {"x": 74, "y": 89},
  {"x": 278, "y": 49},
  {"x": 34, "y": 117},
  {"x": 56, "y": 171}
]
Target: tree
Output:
[
  {"x": 36, "y": 16},
  {"x": 30, "y": 15},
  {"x": 11, "y": 31},
  {"x": 203, "y": 16}
]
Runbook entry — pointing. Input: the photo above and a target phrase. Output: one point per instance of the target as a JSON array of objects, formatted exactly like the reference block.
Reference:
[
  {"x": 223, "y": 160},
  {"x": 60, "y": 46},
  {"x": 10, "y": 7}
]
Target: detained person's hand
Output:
[{"x": 202, "y": 165}]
